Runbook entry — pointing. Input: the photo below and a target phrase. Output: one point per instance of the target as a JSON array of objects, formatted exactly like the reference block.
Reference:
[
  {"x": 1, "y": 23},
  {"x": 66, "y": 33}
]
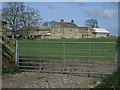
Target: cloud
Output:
[
  {"x": 105, "y": 13},
  {"x": 51, "y": 7}
]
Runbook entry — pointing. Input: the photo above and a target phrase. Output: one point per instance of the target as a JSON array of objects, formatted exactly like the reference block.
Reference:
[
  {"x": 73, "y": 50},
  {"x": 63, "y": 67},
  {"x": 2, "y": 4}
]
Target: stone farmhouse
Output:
[
  {"x": 62, "y": 30},
  {"x": 65, "y": 30},
  {"x": 71, "y": 30}
]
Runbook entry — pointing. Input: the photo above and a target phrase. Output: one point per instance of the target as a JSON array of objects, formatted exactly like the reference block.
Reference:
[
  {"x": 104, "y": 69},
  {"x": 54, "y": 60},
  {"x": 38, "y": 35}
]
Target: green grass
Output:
[
  {"x": 56, "y": 51},
  {"x": 76, "y": 40}
]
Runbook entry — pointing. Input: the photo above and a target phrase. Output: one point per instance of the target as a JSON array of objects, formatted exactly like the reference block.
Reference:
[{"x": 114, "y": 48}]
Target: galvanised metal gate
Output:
[{"x": 67, "y": 57}]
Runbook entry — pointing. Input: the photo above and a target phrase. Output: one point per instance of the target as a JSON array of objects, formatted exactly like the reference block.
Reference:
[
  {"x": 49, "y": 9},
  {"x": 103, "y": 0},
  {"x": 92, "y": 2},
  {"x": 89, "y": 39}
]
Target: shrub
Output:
[
  {"x": 112, "y": 81},
  {"x": 118, "y": 50}
]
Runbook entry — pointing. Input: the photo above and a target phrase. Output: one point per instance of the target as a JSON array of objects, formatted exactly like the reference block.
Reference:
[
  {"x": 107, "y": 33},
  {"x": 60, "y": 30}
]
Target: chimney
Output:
[
  {"x": 72, "y": 21},
  {"x": 62, "y": 20}
]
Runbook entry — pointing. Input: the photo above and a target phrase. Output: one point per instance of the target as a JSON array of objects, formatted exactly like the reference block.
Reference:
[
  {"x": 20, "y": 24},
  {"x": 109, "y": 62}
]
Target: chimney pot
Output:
[
  {"x": 62, "y": 20},
  {"x": 72, "y": 21}
]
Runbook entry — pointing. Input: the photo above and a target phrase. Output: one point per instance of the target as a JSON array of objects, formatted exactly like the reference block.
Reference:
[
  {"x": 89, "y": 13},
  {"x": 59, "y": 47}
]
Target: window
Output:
[
  {"x": 53, "y": 30},
  {"x": 82, "y": 36},
  {"x": 59, "y": 30},
  {"x": 76, "y": 30},
  {"x": 71, "y": 31}
]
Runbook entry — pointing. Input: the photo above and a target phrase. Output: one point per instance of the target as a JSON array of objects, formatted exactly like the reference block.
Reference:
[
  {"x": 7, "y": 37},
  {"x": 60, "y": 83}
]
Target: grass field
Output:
[
  {"x": 56, "y": 49},
  {"x": 112, "y": 39}
]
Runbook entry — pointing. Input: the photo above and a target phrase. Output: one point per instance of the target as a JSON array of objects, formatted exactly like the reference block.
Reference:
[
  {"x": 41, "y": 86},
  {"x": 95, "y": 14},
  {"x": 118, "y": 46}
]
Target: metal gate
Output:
[{"x": 67, "y": 57}]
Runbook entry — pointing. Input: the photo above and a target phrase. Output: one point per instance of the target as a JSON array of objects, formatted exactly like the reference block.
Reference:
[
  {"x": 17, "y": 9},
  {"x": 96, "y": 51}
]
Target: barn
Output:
[
  {"x": 101, "y": 32},
  {"x": 34, "y": 31}
]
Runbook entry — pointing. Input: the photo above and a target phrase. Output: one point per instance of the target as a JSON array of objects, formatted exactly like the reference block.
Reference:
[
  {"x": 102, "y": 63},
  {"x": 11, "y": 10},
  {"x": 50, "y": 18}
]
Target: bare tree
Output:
[
  {"x": 92, "y": 23},
  {"x": 19, "y": 16},
  {"x": 30, "y": 17},
  {"x": 10, "y": 14}
]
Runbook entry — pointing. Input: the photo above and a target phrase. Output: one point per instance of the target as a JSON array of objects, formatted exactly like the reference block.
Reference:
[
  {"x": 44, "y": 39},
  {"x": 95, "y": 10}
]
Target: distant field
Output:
[{"x": 55, "y": 49}]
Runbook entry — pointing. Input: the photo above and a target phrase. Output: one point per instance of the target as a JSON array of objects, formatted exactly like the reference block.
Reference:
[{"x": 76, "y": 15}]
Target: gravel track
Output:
[{"x": 46, "y": 80}]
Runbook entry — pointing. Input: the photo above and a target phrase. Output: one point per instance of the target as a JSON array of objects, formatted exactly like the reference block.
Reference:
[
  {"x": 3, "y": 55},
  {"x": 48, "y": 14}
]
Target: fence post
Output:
[
  {"x": 64, "y": 55},
  {"x": 16, "y": 55},
  {"x": 40, "y": 57},
  {"x": 89, "y": 60}
]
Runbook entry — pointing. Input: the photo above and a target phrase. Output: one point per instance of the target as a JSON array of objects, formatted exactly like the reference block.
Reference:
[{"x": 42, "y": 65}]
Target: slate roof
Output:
[
  {"x": 38, "y": 28},
  {"x": 32, "y": 28},
  {"x": 66, "y": 24},
  {"x": 85, "y": 28}
]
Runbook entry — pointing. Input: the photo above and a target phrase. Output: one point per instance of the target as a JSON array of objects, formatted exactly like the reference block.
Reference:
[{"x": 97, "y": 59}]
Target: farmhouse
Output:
[
  {"x": 65, "y": 30},
  {"x": 71, "y": 30}
]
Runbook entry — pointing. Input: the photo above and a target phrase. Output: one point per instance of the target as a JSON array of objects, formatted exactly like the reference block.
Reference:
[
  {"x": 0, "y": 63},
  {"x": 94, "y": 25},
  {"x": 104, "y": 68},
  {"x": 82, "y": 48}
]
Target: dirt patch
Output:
[{"x": 46, "y": 80}]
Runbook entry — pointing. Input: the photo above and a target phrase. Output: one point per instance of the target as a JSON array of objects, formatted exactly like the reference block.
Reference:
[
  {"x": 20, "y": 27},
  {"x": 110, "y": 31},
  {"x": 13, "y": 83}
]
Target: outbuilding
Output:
[{"x": 101, "y": 32}]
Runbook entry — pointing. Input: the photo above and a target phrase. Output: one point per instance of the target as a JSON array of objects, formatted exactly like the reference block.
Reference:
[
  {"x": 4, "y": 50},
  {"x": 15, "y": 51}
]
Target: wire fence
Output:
[{"x": 67, "y": 57}]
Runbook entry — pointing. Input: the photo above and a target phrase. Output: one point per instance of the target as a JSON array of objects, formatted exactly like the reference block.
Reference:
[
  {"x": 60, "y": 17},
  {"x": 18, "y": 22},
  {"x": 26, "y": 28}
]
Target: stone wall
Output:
[{"x": 65, "y": 33}]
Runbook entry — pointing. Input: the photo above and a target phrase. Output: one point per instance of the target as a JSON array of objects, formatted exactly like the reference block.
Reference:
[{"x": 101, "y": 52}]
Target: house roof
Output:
[
  {"x": 101, "y": 30},
  {"x": 32, "y": 28},
  {"x": 40, "y": 28},
  {"x": 85, "y": 28},
  {"x": 66, "y": 24}
]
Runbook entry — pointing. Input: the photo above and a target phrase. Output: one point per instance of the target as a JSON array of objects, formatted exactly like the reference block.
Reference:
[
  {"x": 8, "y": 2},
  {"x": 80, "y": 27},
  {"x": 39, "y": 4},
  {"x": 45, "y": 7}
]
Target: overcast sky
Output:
[{"x": 105, "y": 12}]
